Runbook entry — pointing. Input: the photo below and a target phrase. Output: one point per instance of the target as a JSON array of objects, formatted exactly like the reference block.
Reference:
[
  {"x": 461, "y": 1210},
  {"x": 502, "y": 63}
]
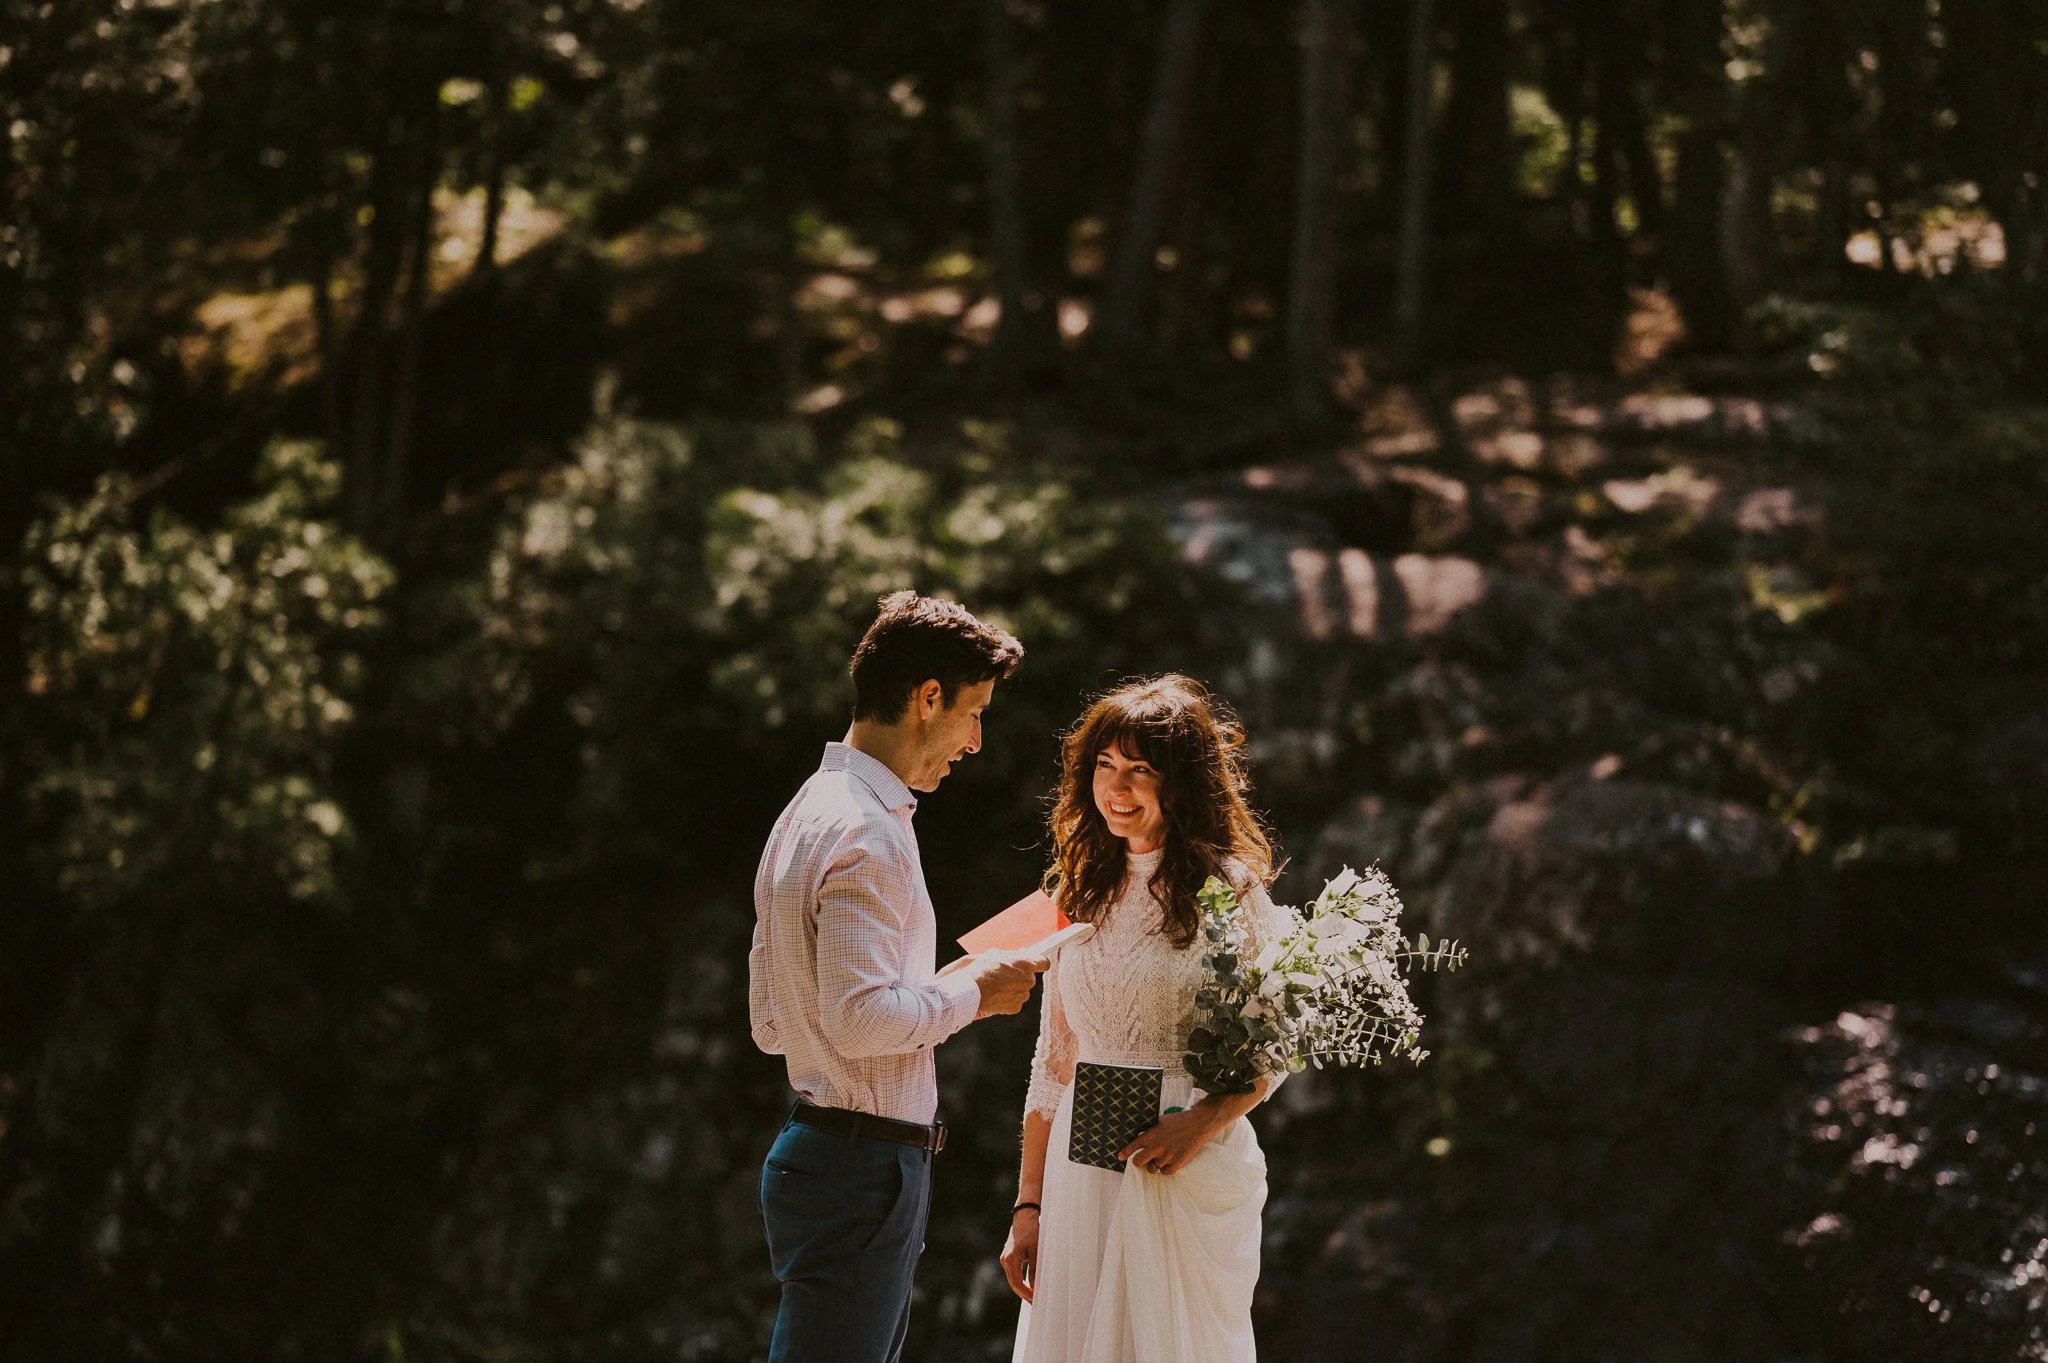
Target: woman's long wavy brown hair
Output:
[{"x": 1197, "y": 746}]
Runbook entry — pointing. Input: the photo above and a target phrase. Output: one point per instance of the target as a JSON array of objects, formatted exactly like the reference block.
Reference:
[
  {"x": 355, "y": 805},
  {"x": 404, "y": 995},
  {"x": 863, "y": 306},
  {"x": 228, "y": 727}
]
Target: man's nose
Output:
[{"x": 974, "y": 738}]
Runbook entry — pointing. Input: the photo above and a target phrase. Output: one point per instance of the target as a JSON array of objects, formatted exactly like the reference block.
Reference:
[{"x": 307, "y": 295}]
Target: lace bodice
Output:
[{"x": 1126, "y": 995}]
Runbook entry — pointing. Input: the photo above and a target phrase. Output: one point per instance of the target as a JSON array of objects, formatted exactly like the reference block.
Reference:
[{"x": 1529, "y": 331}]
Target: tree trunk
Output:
[
  {"x": 418, "y": 294},
  {"x": 1831, "y": 236},
  {"x": 2000, "y": 96},
  {"x": 324, "y": 341},
  {"x": 1567, "y": 94},
  {"x": 1005, "y": 185},
  {"x": 1477, "y": 143},
  {"x": 1183, "y": 309},
  {"x": 1747, "y": 242},
  {"x": 494, "y": 207},
  {"x": 1745, "y": 224},
  {"x": 1158, "y": 158},
  {"x": 1325, "y": 106},
  {"x": 1829, "y": 109},
  {"x": 1415, "y": 189},
  {"x": 1383, "y": 33},
  {"x": 789, "y": 338},
  {"x": 1693, "y": 38},
  {"x": 1621, "y": 54},
  {"x": 1605, "y": 230},
  {"x": 388, "y": 194}
]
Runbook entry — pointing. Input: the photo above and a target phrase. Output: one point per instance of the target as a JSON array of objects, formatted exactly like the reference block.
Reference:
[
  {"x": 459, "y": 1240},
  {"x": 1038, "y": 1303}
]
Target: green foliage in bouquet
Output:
[{"x": 1328, "y": 990}]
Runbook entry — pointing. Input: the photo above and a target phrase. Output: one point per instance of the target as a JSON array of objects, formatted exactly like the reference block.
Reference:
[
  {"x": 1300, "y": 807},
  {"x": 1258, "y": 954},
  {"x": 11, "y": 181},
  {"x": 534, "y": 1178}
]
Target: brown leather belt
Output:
[{"x": 845, "y": 1122}]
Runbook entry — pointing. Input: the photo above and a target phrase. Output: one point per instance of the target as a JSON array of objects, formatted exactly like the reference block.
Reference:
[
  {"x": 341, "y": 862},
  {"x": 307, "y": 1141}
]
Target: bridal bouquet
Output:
[{"x": 1330, "y": 990}]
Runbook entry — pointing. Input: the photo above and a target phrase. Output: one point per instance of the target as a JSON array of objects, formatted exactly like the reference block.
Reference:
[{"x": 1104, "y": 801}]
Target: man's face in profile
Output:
[{"x": 946, "y": 733}]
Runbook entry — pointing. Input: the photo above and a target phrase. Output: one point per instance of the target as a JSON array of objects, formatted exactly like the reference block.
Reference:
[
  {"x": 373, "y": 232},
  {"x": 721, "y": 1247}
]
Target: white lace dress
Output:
[{"x": 1132, "y": 1266}]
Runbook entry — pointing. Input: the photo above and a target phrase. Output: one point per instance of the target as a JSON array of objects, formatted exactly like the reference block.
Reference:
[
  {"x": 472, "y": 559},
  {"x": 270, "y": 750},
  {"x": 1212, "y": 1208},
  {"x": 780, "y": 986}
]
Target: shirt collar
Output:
[{"x": 873, "y": 772}]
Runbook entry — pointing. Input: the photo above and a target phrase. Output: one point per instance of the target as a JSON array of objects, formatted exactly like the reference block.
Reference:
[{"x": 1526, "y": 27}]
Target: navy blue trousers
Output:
[{"x": 846, "y": 1218}]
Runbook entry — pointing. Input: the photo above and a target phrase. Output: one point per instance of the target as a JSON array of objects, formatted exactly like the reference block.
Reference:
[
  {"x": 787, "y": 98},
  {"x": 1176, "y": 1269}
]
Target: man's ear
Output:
[{"x": 930, "y": 699}]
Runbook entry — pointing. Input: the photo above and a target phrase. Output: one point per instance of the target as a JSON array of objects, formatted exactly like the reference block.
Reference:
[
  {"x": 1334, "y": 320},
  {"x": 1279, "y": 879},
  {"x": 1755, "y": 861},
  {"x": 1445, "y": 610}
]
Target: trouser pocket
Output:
[{"x": 825, "y": 1195}]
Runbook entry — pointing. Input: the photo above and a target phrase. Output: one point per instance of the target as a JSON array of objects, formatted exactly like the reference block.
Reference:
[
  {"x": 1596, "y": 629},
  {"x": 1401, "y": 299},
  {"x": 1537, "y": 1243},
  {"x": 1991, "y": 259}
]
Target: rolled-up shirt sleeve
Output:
[
  {"x": 760, "y": 998},
  {"x": 871, "y": 1001}
]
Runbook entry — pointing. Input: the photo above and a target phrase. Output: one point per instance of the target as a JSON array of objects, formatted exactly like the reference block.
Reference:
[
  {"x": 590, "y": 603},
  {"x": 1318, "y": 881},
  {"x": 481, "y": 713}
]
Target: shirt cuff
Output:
[{"x": 963, "y": 1000}]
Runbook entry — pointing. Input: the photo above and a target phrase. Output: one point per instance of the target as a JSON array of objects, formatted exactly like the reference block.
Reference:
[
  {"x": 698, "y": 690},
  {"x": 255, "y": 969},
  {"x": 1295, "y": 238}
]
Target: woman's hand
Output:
[
  {"x": 1020, "y": 1252},
  {"x": 1178, "y": 1138}
]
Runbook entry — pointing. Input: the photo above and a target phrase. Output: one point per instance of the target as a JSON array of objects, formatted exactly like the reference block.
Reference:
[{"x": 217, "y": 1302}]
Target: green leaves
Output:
[
  {"x": 190, "y": 684},
  {"x": 690, "y": 595},
  {"x": 1327, "y": 991}
]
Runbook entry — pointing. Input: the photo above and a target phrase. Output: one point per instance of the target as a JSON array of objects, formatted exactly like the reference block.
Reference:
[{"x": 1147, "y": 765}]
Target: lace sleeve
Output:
[
  {"x": 1052, "y": 1063},
  {"x": 1265, "y": 922}
]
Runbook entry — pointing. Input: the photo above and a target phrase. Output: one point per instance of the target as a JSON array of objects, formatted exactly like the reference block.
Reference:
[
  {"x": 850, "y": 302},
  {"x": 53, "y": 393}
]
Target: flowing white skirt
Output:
[{"x": 1137, "y": 1267}]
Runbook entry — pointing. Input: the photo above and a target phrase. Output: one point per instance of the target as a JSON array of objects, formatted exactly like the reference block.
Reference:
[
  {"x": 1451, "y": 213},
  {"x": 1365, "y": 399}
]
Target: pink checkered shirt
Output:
[{"x": 839, "y": 980}]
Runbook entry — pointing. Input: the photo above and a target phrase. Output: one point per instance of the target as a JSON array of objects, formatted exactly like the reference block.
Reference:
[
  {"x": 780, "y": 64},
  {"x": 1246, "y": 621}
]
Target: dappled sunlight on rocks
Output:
[
  {"x": 1679, "y": 488},
  {"x": 267, "y": 336},
  {"x": 1435, "y": 588},
  {"x": 1922, "y": 1159}
]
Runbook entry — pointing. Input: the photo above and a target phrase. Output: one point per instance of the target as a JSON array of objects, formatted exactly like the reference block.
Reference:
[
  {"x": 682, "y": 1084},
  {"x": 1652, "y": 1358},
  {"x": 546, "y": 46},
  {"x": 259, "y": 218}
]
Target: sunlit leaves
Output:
[
  {"x": 190, "y": 685},
  {"x": 706, "y": 586}
]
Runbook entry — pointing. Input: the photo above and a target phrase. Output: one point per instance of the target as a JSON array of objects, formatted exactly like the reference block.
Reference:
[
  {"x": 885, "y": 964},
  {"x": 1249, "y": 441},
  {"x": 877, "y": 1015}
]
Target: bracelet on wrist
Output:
[{"x": 1026, "y": 1206}]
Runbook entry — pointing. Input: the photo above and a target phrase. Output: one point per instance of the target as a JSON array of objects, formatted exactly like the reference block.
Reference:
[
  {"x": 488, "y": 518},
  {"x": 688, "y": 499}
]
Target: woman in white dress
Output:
[{"x": 1154, "y": 1263}]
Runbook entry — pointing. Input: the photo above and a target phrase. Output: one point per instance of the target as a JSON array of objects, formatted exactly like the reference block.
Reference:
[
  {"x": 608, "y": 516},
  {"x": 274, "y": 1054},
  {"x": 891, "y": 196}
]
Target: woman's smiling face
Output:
[{"x": 1127, "y": 797}]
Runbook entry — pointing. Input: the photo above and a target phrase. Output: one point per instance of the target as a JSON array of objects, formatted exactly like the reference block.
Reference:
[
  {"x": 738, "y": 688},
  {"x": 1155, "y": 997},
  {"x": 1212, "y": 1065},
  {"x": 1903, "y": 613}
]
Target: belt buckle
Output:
[{"x": 938, "y": 1140}]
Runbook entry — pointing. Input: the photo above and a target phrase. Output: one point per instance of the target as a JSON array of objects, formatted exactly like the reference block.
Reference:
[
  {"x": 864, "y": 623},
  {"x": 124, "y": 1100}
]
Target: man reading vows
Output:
[{"x": 841, "y": 984}]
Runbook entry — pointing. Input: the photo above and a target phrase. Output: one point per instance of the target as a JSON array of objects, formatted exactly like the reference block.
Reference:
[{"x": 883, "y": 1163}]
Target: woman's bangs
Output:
[{"x": 1133, "y": 738}]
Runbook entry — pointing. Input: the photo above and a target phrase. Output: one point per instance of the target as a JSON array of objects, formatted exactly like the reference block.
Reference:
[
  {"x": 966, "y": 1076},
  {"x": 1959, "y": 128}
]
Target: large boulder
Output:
[
  {"x": 1922, "y": 1228},
  {"x": 1604, "y": 1148},
  {"x": 1615, "y": 874}
]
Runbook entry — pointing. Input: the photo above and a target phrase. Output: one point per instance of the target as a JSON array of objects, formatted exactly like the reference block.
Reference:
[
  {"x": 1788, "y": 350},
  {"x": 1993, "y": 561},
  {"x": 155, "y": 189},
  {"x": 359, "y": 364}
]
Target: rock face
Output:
[
  {"x": 1611, "y": 1183},
  {"x": 623, "y": 1223},
  {"x": 1550, "y": 658},
  {"x": 1923, "y": 1174}
]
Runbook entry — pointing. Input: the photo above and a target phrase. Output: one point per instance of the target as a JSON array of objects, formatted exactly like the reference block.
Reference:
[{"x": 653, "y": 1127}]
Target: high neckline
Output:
[{"x": 1146, "y": 861}]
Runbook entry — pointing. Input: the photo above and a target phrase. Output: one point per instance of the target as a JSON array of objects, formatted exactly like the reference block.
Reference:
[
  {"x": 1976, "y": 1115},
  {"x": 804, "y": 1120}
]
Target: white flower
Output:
[
  {"x": 1340, "y": 885},
  {"x": 1339, "y": 932},
  {"x": 1264, "y": 964}
]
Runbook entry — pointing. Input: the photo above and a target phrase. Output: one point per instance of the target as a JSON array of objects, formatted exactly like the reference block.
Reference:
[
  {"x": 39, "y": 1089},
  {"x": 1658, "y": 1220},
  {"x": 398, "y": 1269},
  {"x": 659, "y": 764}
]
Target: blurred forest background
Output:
[{"x": 448, "y": 448}]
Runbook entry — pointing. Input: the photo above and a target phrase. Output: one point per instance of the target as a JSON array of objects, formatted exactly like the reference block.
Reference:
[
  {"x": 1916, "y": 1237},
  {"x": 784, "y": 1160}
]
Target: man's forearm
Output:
[{"x": 897, "y": 1019}]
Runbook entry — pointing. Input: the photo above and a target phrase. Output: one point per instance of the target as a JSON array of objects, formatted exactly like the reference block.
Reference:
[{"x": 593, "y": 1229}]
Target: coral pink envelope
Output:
[{"x": 1031, "y": 919}]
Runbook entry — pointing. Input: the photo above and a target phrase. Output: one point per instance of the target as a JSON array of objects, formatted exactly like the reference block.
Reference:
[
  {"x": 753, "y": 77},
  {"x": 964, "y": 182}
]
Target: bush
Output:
[
  {"x": 693, "y": 595},
  {"x": 188, "y": 687}
]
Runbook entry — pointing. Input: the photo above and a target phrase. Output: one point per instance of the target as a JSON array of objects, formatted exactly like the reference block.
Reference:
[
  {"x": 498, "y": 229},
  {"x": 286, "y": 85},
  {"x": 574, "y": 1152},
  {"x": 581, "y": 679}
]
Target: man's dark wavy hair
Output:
[{"x": 916, "y": 639}]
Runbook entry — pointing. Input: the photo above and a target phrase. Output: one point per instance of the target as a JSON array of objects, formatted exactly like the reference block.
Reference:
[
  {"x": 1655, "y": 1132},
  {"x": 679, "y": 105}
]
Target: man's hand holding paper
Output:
[
  {"x": 1005, "y": 979},
  {"x": 1011, "y": 949}
]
